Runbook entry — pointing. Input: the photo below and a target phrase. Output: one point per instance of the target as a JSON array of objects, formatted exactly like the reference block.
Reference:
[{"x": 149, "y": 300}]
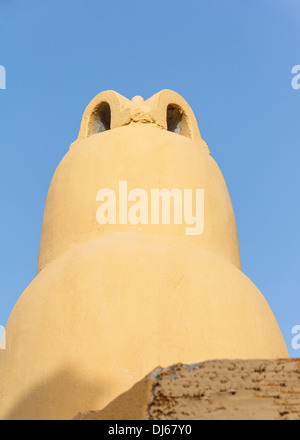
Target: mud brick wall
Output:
[{"x": 221, "y": 389}]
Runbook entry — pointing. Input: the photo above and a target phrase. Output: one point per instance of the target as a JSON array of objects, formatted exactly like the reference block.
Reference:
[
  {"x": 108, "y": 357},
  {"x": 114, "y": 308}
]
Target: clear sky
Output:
[{"x": 231, "y": 60}]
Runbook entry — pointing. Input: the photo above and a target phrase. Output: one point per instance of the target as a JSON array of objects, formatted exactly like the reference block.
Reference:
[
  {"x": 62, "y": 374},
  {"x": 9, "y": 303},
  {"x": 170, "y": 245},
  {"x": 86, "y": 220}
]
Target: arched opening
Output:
[
  {"x": 100, "y": 119},
  {"x": 177, "y": 121}
]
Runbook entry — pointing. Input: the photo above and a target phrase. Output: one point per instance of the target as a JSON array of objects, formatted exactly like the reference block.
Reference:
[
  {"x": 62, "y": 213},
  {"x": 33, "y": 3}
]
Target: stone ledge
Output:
[{"x": 212, "y": 390}]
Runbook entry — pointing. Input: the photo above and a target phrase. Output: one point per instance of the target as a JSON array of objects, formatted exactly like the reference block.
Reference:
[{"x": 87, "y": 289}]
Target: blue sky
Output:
[{"x": 231, "y": 61}]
